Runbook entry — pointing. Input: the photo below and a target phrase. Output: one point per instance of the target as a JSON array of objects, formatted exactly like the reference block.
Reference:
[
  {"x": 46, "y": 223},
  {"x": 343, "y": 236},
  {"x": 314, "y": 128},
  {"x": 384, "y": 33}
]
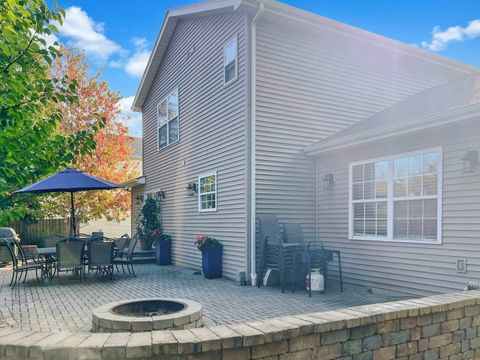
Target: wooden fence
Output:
[{"x": 33, "y": 233}]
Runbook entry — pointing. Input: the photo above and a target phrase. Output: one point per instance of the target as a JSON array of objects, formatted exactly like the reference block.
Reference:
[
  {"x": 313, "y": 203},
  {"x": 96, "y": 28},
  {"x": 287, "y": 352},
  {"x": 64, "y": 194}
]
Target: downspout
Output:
[
  {"x": 317, "y": 178},
  {"x": 253, "y": 109}
]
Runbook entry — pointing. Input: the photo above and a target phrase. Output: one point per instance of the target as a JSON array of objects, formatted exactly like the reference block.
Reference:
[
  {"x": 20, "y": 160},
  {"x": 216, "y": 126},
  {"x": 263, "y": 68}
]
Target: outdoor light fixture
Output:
[
  {"x": 161, "y": 194},
  {"x": 470, "y": 160},
  {"x": 191, "y": 189},
  {"x": 139, "y": 199},
  {"x": 328, "y": 181}
]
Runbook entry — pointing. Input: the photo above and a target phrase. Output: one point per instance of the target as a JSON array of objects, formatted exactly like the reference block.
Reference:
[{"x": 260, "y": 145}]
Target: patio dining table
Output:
[{"x": 49, "y": 255}]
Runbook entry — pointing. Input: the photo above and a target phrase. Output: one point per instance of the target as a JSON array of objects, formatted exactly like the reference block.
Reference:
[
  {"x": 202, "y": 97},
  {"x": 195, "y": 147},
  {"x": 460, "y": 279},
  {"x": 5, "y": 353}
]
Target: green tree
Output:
[{"x": 30, "y": 146}]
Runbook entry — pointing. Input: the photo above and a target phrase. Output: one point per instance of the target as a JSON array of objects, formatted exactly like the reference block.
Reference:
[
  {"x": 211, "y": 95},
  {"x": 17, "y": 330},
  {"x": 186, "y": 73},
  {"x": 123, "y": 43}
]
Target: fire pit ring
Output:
[{"x": 147, "y": 314}]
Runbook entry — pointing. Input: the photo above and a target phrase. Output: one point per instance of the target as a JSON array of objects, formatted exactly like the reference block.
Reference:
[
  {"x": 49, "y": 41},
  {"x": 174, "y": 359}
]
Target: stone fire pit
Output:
[{"x": 146, "y": 315}]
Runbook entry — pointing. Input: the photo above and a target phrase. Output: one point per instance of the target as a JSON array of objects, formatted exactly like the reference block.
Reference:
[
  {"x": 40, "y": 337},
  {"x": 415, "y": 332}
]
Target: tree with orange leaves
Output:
[{"x": 110, "y": 158}]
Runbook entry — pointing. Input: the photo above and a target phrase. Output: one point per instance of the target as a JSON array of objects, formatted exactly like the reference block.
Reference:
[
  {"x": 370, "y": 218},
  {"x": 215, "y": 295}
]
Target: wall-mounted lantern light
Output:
[
  {"x": 328, "y": 181},
  {"x": 139, "y": 199},
  {"x": 470, "y": 160},
  {"x": 192, "y": 189},
  {"x": 161, "y": 194}
]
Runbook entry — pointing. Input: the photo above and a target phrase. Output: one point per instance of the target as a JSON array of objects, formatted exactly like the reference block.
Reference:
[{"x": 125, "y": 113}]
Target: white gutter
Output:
[{"x": 253, "y": 110}]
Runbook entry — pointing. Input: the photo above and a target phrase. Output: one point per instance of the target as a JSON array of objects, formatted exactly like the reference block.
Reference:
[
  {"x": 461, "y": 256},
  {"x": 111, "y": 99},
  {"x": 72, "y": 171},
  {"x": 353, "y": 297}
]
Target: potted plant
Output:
[
  {"x": 149, "y": 227},
  {"x": 163, "y": 250},
  {"x": 211, "y": 250}
]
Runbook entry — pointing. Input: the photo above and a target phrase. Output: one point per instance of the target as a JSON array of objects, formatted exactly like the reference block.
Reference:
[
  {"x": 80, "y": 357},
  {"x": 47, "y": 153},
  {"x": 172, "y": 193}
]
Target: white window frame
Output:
[
  {"x": 168, "y": 121},
  {"x": 207, "y": 174},
  {"x": 390, "y": 198},
  {"x": 233, "y": 40}
]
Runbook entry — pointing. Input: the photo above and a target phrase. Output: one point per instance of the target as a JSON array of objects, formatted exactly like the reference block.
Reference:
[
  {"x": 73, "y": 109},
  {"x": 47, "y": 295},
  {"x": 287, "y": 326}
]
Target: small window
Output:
[
  {"x": 207, "y": 193},
  {"x": 167, "y": 120},
  {"x": 230, "y": 61}
]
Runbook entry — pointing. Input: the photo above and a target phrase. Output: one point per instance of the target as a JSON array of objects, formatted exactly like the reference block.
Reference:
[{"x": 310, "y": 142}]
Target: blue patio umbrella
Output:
[{"x": 69, "y": 180}]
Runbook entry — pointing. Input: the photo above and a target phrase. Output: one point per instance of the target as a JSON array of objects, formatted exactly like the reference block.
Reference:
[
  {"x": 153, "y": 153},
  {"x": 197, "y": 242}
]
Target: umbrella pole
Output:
[{"x": 72, "y": 217}]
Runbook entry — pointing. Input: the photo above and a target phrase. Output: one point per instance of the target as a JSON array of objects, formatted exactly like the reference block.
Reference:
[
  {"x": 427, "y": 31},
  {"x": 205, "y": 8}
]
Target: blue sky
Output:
[{"x": 118, "y": 36}]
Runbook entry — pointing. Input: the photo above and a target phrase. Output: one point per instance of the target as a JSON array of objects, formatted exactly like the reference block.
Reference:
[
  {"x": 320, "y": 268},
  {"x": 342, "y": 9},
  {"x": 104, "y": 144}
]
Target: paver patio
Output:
[{"x": 69, "y": 304}]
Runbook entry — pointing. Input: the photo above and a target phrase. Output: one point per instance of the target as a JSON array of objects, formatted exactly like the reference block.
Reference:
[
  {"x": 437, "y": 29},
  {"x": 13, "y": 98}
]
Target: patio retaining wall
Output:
[{"x": 437, "y": 327}]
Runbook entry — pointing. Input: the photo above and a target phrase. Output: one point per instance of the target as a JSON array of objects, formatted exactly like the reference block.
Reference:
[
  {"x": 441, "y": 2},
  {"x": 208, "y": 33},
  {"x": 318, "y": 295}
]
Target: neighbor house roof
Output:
[
  {"x": 450, "y": 102},
  {"x": 272, "y": 8}
]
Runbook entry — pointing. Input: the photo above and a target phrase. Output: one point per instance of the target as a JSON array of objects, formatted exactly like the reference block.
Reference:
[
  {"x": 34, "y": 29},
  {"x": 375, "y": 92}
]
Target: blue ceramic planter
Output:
[
  {"x": 212, "y": 261},
  {"x": 163, "y": 252}
]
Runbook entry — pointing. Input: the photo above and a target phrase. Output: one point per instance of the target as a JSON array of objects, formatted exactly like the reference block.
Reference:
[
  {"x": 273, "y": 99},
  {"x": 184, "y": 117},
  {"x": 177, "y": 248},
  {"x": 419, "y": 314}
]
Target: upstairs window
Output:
[
  {"x": 207, "y": 194},
  {"x": 397, "y": 198},
  {"x": 167, "y": 120},
  {"x": 230, "y": 61}
]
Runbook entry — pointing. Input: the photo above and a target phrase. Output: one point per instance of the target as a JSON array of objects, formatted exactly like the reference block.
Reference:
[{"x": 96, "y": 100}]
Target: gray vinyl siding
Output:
[
  {"x": 312, "y": 83},
  {"x": 411, "y": 268},
  {"x": 212, "y": 138}
]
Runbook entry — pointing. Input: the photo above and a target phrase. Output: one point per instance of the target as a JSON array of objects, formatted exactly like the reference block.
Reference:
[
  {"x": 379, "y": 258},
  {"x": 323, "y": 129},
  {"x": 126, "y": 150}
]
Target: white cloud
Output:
[
  {"x": 139, "y": 43},
  {"x": 473, "y": 29},
  {"x": 135, "y": 119},
  {"x": 440, "y": 39},
  {"x": 82, "y": 31},
  {"x": 136, "y": 65}
]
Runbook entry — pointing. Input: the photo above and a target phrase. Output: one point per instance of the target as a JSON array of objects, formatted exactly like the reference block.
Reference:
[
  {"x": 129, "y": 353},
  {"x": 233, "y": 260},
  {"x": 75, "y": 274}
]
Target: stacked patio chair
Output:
[
  {"x": 100, "y": 256},
  {"x": 277, "y": 253},
  {"x": 70, "y": 256},
  {"x": 283, "y": 249},
  {"x": 126, "y": 258}
]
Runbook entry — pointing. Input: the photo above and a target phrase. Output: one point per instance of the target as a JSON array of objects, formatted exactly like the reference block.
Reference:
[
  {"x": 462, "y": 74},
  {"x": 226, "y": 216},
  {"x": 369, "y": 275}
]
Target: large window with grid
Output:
[
  {"x": 397, "y": 198},
  {"x": 207, "y": 192},
  {"x": 168, "y": 126}
]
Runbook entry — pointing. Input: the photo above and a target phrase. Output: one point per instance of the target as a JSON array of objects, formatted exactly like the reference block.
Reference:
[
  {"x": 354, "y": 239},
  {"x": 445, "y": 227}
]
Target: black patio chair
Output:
[
  {"x": 100, "y": 256},
  {"x": 121, "y": 245},
  {"x": 316, "y": 254},
  {"x": 127, "y": 257},
  {"x": 51, "y": 240},
  {"x": 96, "y": 235},
  {"x": 70, "y": 256},
  {"x": 21, "y": 265},
  {"x": 277, "y": 253}
]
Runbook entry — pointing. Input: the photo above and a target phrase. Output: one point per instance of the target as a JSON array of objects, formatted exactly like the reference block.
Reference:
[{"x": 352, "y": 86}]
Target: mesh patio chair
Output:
[
  {"x": 28, "y": 252},
  {"x": 51, "y": 240},
  {"x": 100, "y": 256},
  {"x": 70, "y": 253},
  {"x": 316, "y": 254},
  {"x": 127, "y": 258},
  {"x": 96, "y": 235},
  {"x": 21, "y": 266},
  {"x": 121, "y": 244}
]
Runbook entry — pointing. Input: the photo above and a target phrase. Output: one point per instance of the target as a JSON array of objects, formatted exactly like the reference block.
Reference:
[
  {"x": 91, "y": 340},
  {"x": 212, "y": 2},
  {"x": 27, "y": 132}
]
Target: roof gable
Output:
[{"x": 166, "y": 32}]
